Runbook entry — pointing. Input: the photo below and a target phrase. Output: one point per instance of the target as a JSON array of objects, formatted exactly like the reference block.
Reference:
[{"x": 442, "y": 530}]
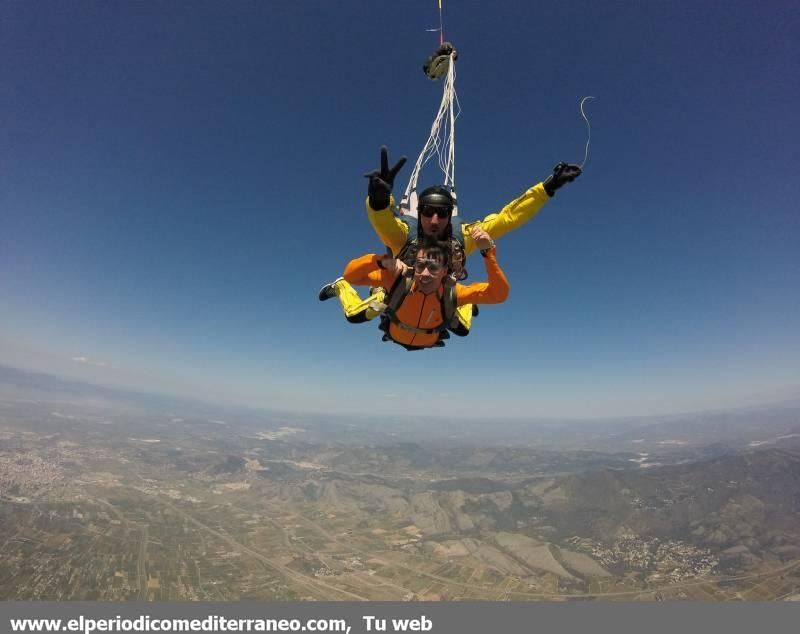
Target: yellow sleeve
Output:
[
  {"x": 392, "y": 231},
  {"x": 512, "y": 216}
]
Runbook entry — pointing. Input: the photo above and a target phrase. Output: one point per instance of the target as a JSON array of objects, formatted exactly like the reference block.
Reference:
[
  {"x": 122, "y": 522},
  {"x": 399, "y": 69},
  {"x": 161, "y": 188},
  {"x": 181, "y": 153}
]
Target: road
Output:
[
  {"x": 305, "y": 581},
  {"x": 141, "y": 565}
]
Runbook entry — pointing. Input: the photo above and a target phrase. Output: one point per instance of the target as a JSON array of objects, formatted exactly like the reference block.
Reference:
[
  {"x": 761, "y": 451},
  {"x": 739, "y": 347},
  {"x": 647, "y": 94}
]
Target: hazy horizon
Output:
[{"x": 781, "y": 398}]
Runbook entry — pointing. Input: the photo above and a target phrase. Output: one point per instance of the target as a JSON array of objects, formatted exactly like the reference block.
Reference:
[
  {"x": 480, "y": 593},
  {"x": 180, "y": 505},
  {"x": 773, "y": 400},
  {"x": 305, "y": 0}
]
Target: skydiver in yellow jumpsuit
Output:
[{"x": 435, "y": 207}]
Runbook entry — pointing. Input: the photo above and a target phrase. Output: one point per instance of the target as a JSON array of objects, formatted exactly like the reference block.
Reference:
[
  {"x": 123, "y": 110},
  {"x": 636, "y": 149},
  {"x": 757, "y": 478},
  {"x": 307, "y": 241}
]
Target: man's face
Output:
[
  {"x": 434, "y": 220},
  {"x": 428, "y": 272}
]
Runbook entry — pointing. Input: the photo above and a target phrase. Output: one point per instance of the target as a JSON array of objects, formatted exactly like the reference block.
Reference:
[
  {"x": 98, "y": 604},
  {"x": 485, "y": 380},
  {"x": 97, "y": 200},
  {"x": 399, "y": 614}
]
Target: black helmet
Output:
[{"x": 436, "y": 196}]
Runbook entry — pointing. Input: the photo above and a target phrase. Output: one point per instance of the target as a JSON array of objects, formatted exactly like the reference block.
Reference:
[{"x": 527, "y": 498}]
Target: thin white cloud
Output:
[{"x": 99, "y": 364}]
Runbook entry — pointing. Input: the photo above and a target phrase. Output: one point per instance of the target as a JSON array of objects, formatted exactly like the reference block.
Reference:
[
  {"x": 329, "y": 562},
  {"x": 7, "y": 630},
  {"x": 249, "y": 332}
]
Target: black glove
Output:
[
  {"x": 563, "y": 173},
  {"x": 381, "y": 181}
]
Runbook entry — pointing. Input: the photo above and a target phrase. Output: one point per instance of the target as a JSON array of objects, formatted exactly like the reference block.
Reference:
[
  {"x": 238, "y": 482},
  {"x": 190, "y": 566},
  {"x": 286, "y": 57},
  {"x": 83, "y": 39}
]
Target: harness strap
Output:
[
  {"x": 414, "y": 329},
  {"x": 397, "y": 295},
  {"x": 448, "y": 306}
]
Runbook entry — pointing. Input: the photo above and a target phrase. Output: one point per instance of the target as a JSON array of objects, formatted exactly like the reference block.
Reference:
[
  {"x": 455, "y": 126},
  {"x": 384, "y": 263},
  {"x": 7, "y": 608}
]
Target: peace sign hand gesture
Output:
[{"x": 381, "y": 181}]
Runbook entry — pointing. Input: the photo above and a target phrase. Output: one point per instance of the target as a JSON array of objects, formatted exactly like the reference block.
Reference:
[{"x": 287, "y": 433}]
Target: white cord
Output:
[
  {"x": 441, "y": 140},
  {"x": 589, "y": 132}
]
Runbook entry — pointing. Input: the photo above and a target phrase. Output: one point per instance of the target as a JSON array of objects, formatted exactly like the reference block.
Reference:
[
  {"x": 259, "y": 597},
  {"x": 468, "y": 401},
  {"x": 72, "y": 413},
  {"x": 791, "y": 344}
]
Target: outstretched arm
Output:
[
  {"x": 521, "y": 210},
  {"x": 495, "y": 289},
  {"x": 512, "y": 216}
]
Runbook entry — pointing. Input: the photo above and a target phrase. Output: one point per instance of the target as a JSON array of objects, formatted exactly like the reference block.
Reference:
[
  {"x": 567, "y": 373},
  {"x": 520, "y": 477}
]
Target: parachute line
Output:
[
  {"x": 588, "y": 132},
  {"x": 441, "y": 143},
  {"x": 441, "y": 25}
]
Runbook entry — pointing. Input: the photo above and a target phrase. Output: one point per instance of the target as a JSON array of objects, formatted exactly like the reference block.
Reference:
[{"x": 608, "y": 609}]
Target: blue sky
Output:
[{"x": 178, "y": 179}]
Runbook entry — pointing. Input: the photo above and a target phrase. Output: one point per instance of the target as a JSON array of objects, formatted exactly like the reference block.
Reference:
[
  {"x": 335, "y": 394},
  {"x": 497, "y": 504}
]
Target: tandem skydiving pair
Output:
[{"x": 415, "y": 289}]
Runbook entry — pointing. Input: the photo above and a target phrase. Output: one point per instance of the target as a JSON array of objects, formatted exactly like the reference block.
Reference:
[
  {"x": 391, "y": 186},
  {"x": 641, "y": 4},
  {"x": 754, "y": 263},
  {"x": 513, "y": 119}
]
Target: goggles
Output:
[
  {"x": 434, "y": 266},
  {"x": 429, "y": 211}
]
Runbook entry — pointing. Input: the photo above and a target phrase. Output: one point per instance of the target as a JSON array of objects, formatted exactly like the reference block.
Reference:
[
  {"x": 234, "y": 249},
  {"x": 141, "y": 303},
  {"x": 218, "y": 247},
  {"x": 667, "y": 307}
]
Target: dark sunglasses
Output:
[
  {"x": 429, "y": 212},
  {"x": 433, "y": 266}
]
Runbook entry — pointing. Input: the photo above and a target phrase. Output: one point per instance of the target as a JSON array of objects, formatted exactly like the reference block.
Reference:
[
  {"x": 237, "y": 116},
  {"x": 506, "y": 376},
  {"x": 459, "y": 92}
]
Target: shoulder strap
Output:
[
  {"x": 411, "y": 223},
  {"x": 397, "y": 294},
  {"x": 449, "y": 305},
  {"x": 457, "y": 226},
  {"x": 408, "y": 252}
]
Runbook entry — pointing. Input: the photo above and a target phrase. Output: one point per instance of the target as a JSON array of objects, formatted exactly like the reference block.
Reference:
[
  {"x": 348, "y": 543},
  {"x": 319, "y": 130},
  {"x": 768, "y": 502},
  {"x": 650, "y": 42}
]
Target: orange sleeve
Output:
[
  {"x": 364, "y": 271},
  {"x": 493, "y": 291}
]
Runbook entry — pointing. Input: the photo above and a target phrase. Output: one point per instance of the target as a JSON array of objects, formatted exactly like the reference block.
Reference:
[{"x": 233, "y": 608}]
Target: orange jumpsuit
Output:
[{"x": 419, "y": 310}]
